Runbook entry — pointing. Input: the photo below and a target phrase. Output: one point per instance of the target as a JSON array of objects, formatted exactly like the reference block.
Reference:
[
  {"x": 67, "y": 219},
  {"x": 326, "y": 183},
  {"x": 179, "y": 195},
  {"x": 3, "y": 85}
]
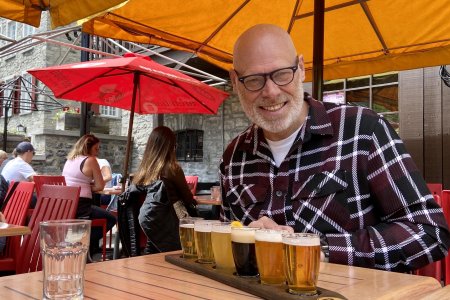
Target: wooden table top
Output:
[
  {"x": 206, "y": 199},
  {"x": 151, "y": 277},
  {"x": 12, "y": 230},
  {"x": 440, "y": 294}
]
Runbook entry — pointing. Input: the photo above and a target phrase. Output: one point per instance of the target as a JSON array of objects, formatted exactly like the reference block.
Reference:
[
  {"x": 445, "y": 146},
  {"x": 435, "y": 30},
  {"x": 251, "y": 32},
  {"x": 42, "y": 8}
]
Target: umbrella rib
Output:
[
  {"x": 338, "y": 6},
  {"x": 175, "y": 84},
  {"x": 85, "y": 82},
  {"x": 161, "y": 39},
  {"x": 291, "y": 23},
  {"x": 374, "y": 26}
]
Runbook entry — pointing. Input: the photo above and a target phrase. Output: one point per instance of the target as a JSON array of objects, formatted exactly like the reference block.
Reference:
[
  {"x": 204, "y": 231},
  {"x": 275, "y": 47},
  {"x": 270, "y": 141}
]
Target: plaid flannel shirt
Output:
[{"x": 347, "y": 176}]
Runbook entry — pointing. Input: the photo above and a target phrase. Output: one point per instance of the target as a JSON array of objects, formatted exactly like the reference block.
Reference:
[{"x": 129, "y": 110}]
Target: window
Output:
[
  {"x": 109, "y": 111},
  {"x": 378, "y": 92},
  {"x": 11, "y": 30},
  {"x": 26, "y": 94},
  {"x": 189, "y": 145},
  {"x": 28, "y": 30}
]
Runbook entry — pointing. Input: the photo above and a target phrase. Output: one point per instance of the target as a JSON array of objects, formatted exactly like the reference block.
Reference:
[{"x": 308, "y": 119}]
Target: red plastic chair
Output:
[
  {"x": 435, "y": 188},
  {"x": 40, "y": 180},
  {"x": 435, "y": 269},
  {"x": 54, "y": 203},
  {"x": 446, "y": 209},
  {"x": 15, "y": 213},
  {"x": 192, "y": 183}
]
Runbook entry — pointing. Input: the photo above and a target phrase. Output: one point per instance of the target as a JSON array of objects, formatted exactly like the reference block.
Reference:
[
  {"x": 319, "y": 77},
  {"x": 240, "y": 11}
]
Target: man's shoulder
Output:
[{"x": 241, "y": 140}]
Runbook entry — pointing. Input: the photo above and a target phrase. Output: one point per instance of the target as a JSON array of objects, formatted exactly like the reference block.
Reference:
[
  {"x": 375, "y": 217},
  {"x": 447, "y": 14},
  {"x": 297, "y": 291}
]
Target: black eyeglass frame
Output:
[{"x": 270, "y": 74}]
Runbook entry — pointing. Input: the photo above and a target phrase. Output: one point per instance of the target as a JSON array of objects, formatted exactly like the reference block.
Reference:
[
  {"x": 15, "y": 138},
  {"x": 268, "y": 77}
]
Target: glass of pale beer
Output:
[
  {"x": 302, "y": 262},
  {"x": 243, "y": 249},
  {"x": 221, "y": 244},
  {"x": 269, "y": 255},
  {"x": 187, "y": 236},
  {"x": 202, "y": 235}
]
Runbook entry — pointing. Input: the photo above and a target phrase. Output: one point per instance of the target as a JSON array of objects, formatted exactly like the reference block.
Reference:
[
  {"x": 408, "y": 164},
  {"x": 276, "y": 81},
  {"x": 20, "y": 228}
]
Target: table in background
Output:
[
  {"x": 150, "y": 276},
  {"x": 12, "y": 230},
  {"x": 212, "y": 206}
]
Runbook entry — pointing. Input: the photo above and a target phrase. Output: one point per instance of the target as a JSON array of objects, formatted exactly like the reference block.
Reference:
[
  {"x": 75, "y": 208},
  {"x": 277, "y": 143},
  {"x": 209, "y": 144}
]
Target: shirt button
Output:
[{"x": 279, "y": 193}]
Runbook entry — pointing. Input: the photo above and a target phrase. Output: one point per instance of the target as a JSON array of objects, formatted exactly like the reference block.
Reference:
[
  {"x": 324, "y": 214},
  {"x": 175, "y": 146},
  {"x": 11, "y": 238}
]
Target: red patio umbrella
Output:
[{"x": 135, "y": 83}]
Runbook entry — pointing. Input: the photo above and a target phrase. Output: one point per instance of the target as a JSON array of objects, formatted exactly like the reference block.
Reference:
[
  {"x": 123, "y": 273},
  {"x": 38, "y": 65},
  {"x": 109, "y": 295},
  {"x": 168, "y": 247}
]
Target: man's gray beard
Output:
[{"x": 279, "y": 125}]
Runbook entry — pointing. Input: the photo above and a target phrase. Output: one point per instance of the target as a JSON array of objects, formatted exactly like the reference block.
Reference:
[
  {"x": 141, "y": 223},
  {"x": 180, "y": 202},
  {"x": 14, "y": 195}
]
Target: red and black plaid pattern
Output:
[{"x": 348, "y": 177}]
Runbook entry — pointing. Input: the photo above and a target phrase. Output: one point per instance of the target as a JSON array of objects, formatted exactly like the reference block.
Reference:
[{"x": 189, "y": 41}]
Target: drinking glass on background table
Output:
[
  {"x": 202, "y": 234},
  {"x": 64, "y": 247},
  {"x": 302, "y": 262},
  {"x": 221, "y": 245},
  {"x": 269, "y": 256},
  {"x": 187, "y": 236},
  {"x": 243, "y": 248},
  {"x": 215, "y": 193}
]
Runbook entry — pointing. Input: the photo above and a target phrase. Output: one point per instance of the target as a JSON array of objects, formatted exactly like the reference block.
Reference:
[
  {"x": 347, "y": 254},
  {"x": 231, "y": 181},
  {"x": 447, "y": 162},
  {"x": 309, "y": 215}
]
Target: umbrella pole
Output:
[
  {"x": 130, "y": 129},
  {"x": 317, "y": 89}
]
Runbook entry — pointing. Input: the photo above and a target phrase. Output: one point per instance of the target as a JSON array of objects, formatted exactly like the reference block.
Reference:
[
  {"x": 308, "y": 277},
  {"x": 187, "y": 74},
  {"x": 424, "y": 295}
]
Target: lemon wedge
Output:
[{"x": 236, "y": 224}]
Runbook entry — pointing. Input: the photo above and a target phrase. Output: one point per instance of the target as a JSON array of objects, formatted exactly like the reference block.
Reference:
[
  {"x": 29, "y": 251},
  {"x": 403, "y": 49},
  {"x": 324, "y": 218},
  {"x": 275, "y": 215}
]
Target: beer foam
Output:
[
  {"x": 302, "y": 240},
  {"x": 202, "y": 227},
  {"x": 272, "y": 236},
  {"x": 221, "y": 228},
  {"x": 187, "y": 225},
  {"x": 243, "y": 236}
]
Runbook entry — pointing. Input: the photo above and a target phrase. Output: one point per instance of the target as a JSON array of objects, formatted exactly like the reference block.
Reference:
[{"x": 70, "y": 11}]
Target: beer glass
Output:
[
  {"x": 187, "y": 237},
  {"x": 302, "y": 261},
  {"x": 243, "y": 248},
  {"x": 202, "y": 234},
  {"x": 269, "y": 255},
  {"x": 221, "y": 245}
]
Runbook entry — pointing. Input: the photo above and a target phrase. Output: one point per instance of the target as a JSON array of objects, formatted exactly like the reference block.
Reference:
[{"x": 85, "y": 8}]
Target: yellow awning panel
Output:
[
  {"x": 361, "y": 37},
  {"x": 62, "y": 12}
]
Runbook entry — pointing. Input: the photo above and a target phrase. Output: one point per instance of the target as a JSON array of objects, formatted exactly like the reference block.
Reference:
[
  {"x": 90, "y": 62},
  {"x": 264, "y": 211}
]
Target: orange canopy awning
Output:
[
  {"x": 62, "y": 12},
  {"x": 361, "y": 37}
]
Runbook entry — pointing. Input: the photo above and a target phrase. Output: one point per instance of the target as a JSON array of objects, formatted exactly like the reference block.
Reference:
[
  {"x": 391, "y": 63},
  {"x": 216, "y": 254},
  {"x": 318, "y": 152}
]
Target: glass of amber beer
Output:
[
  {"x": 302, "y": 261},
  {"x": 187, "y": 236},
  {"x": 269, "y": 256},
  {"x": 221, "y": 244},
  {"x": 243, "y": 248},
  {"x": 202, "y": 235}
]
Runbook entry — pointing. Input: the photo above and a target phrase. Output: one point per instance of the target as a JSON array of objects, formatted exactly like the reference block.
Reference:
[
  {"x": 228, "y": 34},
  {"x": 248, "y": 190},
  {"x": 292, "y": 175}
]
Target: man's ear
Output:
[
  {"x": 233, "y": 79},
  {"x": 301, "y": 67}
]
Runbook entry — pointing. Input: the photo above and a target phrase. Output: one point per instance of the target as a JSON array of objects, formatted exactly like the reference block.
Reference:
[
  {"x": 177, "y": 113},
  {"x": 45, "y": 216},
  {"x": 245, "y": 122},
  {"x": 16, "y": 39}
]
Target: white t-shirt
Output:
[
  {"x": 281, "y": 148},
  {"x": 104, "y": 163},
  {"x": 17, "y": 170}
]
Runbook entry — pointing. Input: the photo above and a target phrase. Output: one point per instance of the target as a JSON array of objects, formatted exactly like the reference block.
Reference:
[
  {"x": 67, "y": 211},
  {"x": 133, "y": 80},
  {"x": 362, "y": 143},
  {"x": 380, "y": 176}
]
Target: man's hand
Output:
[{"x": 267, "y": 223}]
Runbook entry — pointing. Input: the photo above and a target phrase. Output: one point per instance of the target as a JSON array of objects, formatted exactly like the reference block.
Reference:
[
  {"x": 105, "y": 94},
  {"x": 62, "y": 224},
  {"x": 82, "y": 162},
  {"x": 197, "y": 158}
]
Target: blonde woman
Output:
[{"x": 82, "y": 169}]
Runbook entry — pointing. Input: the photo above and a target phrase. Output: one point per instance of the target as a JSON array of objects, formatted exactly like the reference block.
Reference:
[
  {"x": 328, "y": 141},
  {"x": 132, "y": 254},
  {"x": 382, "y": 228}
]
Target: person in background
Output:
[
  {"x": 8, "y": 159},
  {"x": 3, "y": 156},
  {"x": 19, "y": 168},
  {"x": 82, "y": 169},
  {"x": 336, "y": 170},
  {"x": 105, "y": 168},
  {"x": 159, "y": 162},
  {"x": 3, "y": 238}
]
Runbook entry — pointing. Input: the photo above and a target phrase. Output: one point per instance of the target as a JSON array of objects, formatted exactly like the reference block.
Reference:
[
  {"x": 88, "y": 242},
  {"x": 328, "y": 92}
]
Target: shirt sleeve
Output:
[
  {"x": 411, "y": 231},
  {"x": 225, "y": 211},
  {"x": 26, "y": 170}
]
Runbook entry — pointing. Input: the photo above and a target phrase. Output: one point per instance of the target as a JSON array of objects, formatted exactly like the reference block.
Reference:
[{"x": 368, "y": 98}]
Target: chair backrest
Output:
[
  {"x": 55, "y": 202},
  {"x": 435, "y": 188},
  {"x": 192, "y": 183},
  {"x": 40, "y": 180},
  {"x": 15, "y": 212}
]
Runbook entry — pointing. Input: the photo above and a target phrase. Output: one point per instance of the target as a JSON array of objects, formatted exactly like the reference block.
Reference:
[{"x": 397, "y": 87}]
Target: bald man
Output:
[{"x": 309, "y": 166}]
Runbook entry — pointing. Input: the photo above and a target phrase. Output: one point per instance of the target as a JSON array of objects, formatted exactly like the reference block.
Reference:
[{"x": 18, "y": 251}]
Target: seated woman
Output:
[
  {"x": 82, "y": 169},
  {"x": 159, "y": 165}
]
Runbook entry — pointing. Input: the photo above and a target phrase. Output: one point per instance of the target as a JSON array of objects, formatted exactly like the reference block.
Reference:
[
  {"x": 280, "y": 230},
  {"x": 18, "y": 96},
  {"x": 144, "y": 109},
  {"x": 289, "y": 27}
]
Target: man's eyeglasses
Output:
[{"x": 280, "y": 77}]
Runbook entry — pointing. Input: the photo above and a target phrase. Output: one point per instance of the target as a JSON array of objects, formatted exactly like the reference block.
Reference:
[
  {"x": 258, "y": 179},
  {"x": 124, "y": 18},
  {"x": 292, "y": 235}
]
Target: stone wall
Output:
[{"x": 52, "y": 147}]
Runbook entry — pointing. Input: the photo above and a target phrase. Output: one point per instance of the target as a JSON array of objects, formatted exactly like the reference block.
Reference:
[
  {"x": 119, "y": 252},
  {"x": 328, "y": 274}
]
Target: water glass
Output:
[
  {"x": 215, "y": 193},
  {"x": 64, "y": 248}
]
